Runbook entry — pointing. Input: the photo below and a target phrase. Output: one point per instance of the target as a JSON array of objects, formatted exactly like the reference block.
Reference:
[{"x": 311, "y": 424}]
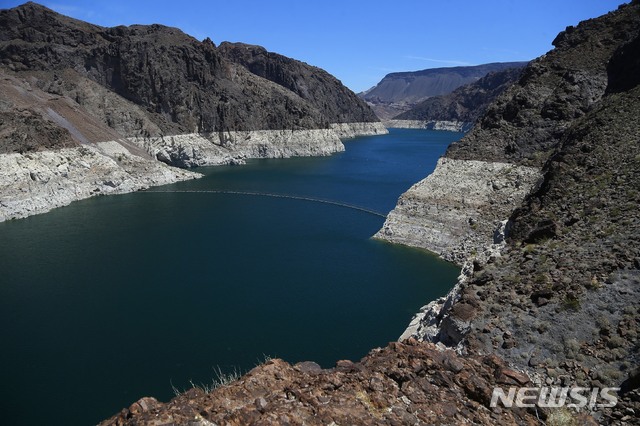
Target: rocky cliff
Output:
[
  {"x": 462, "y": 107},
  {"x": 520, "y": 130},
  {"x": 551, "y": 273},
  {"x": 53, "y": 151},
  {"x": 161, "y": 95},
  {"x": 336, "y": 102},
  {"x": 399, "y": 92},
  {"x": 182, "y": 84}
]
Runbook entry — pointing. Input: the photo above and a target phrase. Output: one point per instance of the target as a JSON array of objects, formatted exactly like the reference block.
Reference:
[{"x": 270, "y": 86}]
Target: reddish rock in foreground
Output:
[{"x": 404, "y": 383}]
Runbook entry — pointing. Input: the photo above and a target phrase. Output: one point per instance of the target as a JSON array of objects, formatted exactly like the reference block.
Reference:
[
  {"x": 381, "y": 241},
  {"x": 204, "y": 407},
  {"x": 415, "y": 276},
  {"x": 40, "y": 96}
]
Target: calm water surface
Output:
[{"x": 115, "y": 298}]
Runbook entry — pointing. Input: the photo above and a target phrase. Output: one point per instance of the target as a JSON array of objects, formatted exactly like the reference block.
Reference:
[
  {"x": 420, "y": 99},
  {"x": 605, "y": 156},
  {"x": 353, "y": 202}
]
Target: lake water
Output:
[{"x": 114, "y": 298}]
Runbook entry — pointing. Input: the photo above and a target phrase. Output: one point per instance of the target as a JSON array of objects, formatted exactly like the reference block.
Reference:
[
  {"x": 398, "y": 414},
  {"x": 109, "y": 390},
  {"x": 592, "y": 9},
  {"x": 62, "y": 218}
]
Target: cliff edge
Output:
[
  {"x": 551, "y": 267},
  {"x": 404, "y": 383}
]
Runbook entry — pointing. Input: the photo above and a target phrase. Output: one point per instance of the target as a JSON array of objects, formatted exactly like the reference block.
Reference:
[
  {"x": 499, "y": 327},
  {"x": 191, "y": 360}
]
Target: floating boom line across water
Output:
[{"x": 273, "y": 195}]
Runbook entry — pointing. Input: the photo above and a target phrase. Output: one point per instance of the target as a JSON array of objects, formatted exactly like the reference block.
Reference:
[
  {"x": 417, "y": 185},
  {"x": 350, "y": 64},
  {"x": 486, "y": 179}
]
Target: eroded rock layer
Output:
[
  {"x": 36, "y": 182},
  {"x": 456, "y": 210}
]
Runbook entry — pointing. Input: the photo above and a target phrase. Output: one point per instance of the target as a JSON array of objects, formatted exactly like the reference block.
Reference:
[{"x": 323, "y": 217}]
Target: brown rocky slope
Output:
[{"x": 404, "y": 383}]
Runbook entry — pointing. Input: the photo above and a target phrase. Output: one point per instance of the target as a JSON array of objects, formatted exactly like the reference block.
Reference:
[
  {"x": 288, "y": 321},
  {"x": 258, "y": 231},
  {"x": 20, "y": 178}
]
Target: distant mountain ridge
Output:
[
  {"x": 465, "y": 104},
  {"x": 400, "y": 91}
]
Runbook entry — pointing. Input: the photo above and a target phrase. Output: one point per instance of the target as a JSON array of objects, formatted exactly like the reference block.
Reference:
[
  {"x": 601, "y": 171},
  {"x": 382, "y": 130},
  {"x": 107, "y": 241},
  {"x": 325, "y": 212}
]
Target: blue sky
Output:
[{"x": 360, "y": 41}]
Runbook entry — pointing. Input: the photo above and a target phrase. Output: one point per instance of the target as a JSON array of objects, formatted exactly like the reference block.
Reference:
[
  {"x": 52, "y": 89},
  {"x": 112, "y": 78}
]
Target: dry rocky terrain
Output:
[{"x": 403, "y": 384}]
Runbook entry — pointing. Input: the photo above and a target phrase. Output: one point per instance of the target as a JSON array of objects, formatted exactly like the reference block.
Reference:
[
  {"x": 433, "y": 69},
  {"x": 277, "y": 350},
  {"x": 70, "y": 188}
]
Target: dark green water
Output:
[{"x": 119, "y": 297}]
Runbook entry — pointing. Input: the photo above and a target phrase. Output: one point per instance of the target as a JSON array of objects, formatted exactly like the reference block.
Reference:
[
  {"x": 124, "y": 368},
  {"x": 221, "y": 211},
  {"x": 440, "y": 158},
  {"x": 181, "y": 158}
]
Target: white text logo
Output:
[{"x": 552, "y": 397}]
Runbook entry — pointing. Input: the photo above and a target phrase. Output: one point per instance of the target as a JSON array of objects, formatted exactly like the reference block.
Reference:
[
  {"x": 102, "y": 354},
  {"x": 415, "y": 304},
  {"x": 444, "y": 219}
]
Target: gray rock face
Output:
[
  {"x": 352, "y": 130},
  {"x": 337, "y": 103},
  {"x": 448, "y": 126},
  {"x": 465, "y": 104},
  {"x": 212, "y": 149},
  {"x": 37, "y": 182},
  {"x": 455, "y": 210},
  {"x": 401, "y": 91}
]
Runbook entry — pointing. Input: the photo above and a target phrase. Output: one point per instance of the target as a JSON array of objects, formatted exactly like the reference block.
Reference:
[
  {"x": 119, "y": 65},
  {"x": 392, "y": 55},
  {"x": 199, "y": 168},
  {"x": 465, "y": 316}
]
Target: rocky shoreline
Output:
[
  {"x": 458, "y": 209},
  {"x": 538, "y": 203},
  {"x": 36, "y": 182},
  {"x": 161, "y": 97},
  {"x": 550, "y": 275},
  {"x": 234, "y": 147},
  {"x": 450, "y": 126},
  {"x": 458, "y": 212}
]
